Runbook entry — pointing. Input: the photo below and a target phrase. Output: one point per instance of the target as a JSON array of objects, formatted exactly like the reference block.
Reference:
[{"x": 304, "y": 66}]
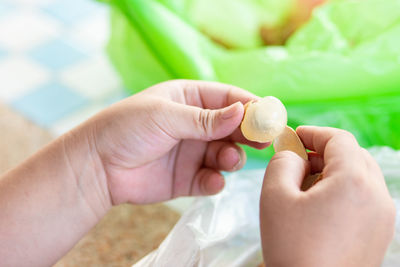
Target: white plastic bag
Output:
[
  {"x": 223, "y": 230},
  {"x": 389, "y": 161}
]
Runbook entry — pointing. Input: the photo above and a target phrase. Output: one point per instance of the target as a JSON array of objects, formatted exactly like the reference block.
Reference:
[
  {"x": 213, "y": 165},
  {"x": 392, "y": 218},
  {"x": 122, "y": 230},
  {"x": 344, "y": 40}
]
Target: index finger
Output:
[
  {"x": 214, "y": 95},
  {"x": 339, "y": 148}
]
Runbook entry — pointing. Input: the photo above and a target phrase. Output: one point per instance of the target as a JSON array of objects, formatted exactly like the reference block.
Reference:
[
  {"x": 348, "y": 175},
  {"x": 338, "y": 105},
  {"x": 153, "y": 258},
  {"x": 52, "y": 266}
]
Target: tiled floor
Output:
[
  {"x": 53, "y": 65},
  {"x": 51, "y": 57}
]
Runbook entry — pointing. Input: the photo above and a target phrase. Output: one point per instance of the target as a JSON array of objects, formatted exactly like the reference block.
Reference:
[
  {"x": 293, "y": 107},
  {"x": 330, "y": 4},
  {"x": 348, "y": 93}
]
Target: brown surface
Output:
[
  {"x": 18, "y": 138},
  {"x": 279, "y": 34},
  {"x": 125, "y": 234}
]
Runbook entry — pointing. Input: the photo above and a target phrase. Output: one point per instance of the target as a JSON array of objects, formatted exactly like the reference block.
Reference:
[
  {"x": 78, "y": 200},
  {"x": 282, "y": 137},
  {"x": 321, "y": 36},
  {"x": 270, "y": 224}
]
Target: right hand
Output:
[{"x": 346, "y": 219}]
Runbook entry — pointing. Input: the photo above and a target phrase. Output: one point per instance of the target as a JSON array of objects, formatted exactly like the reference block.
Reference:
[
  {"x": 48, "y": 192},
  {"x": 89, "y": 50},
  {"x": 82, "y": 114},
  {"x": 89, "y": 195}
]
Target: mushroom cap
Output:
[{"x": 264, "y": 119}]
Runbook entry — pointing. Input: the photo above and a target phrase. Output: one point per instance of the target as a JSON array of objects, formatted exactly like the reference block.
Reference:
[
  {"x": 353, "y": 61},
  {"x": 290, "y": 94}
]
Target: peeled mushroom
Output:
[{"x": 264, "y": 119}]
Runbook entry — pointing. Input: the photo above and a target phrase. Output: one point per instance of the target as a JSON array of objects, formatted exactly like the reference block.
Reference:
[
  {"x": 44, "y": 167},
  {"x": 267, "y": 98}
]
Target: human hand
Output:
[
  {"x": 159, "y": 144},
  {"x": 346, "y": 219},
  {"x": 170, "y": 140}
]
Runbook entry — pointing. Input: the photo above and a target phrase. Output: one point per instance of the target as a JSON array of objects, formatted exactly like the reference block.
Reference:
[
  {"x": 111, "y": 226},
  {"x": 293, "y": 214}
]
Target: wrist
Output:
[
  {"x": 59, "y": 193},
  {"x": 87, "y": 168}
]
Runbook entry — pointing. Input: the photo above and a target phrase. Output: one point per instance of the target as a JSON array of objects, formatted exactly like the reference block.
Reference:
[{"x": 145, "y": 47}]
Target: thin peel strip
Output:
[{"x": 289, "y": 140}]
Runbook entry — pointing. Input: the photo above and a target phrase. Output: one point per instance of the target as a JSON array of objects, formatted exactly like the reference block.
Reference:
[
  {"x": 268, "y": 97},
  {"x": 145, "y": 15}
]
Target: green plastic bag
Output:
[{"x": 341, "y": 69}]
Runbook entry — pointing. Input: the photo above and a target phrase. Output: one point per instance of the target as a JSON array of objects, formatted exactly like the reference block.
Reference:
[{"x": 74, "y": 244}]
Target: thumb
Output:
[
  {"x": 285, "y": 173},
  {"x": 204, "y": 124}
]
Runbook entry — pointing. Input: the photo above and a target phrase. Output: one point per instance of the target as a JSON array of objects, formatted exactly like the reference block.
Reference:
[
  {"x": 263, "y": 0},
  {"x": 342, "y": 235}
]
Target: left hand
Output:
[
  {"x": 171, "y": 140},
  {"x": 168, "y": 141}
]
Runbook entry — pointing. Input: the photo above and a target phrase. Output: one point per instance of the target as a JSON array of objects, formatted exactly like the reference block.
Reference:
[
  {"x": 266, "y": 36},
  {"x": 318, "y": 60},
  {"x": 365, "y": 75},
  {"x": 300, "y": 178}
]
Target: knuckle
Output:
[
  {"x": 344, "y": 132},
  {"x": 205, "y": 122},
  {"x": 360, "y": 182},
  {"x": 346, "y": 135},
  {"x": 358, "y": 178}
]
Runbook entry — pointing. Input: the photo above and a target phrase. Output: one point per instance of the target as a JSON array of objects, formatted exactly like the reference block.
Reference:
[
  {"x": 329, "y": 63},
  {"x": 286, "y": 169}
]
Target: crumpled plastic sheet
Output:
[{"x": 223, "y": 230}]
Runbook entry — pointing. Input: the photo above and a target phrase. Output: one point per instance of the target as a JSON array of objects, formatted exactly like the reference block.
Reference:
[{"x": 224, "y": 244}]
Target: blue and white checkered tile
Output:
[
  {"x": 58, "y": 99},
  {"x": 56, "y": 54},
  {"x": 53, "y": 68}
]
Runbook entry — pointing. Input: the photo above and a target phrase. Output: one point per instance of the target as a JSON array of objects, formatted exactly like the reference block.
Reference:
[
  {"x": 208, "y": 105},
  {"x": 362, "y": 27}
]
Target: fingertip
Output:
[
  {"x": 243, "y": 159},
  {"x": 305, "y": 134},
  {"x": 302, "y": 129},
  {"x": 232, "y": 158},
  {"x": 207, "y": 181},
  {"x": 233, "y": 111},
  {"x": 286, "y": 170},
  {"x": 228, "y": 120},
  {"x": 213, "y": 184},
  {"x": 229, "y": 158}
]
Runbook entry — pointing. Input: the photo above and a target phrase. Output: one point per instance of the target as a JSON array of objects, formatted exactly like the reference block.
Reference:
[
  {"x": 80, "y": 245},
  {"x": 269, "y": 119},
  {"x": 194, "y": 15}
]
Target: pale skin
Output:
[
  {"x": 346, "y": 219},
  {"x": 172, "y": 140}
]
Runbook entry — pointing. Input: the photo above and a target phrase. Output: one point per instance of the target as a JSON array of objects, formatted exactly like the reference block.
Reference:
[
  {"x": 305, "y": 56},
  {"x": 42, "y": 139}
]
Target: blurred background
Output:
[
  {"x": 331, "y": 62},
  {"x": 55, "y": 73},
  {"x": 53, "y": 66}
]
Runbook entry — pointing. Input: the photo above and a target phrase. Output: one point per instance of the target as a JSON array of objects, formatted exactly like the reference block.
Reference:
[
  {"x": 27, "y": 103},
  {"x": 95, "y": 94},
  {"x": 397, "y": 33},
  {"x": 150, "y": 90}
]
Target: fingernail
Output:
[
  {"x": 236, "y": 157},
  {"x": 238, "y": 163},
  {"x": 241, "y": 157},
  {"x": 230, "y": 112}
]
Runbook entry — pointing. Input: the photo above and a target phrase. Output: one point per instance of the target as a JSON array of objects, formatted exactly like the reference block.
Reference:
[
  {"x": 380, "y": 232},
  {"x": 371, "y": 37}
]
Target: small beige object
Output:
[
  {"x": 289, "y": 140},
  {"x": 264, "y": 119}
]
